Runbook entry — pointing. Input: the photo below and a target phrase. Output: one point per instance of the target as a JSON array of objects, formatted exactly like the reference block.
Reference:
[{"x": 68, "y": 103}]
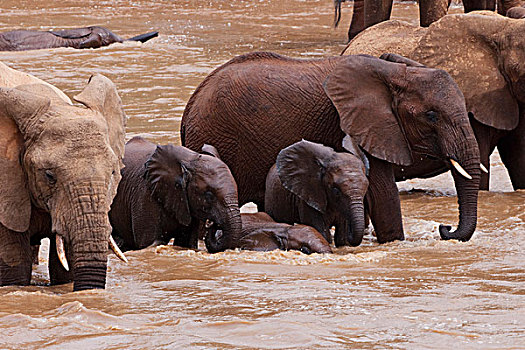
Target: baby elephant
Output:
[
  {"x": 261, "y": 233},
  {"x": 313, "y": 185},
  {"x": 167, "y": 191}
]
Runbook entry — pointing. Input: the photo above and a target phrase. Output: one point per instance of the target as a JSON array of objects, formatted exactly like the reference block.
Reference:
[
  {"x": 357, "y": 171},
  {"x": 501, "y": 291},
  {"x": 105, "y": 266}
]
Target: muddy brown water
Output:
[{"x": 420, "y": 293}]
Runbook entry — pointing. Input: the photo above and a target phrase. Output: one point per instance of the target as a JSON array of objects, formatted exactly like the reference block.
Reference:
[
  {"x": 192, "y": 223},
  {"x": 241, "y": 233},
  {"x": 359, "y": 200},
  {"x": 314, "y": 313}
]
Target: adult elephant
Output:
[
  {"x": 313, "y": 185},
  {"x": 369, "y": 12},
  {"x": 485, "y": 54},
  {"x": 167, "y": 191},
  {"x": 60, "y": 167},
  {"x": 78, "y": 38},
  {"x": 257, "y": 104}
]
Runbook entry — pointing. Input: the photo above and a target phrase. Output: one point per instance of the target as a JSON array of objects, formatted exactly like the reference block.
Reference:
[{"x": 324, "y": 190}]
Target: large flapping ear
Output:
[
  {"x": 362, "y": 90},
  {"x": 350, "y": 146},
  {"x": 11, "y": 78},
  {"x": 392, "y": 57},
  {"x": 464, "y": 46},
  {"x": 100, "y": 94},
  {"x": 18, "y": 111},
  {"x": 210, "y": 150},
  {"x": 168, "y": 177},
  {"x": 301, "y": 168}
]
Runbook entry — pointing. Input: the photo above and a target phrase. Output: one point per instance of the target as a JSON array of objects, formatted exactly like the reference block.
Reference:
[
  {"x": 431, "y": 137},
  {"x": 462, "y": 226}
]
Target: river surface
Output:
[{"x": 420, "y": 293}]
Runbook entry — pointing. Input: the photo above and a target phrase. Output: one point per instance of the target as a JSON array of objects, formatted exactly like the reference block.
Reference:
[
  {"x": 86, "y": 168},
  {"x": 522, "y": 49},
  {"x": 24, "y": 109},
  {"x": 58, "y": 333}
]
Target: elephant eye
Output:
[
  {"x": 336, "y": 191},
  {"x": 432, "y": 116},
  {"x": 50, "y": 177},
  {"x": 305, "y": 250},
  {"x": 209, "y": 196}
]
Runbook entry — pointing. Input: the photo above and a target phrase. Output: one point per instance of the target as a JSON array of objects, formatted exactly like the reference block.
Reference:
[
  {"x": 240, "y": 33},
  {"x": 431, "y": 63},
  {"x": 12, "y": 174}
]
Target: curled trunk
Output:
[
  {"x": 467, "y": 191},
  {"x": 231, "y": 233}
]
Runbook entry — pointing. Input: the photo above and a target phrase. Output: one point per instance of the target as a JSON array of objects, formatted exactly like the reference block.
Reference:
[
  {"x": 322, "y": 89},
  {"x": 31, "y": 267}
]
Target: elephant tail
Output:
[
  {"x": 144, "y": 37},
  {"x": 337, "y": 14}
]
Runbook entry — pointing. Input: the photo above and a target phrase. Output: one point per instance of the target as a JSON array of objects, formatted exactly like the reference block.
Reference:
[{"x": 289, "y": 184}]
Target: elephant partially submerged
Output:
[
  {"x": 313, "y": 185},
  {"x": 59, "y": 171},
  {"x": 485, "y": 54},
  {"x": 168, "y": 191},
  {"x": 78, "y": 38},
  {"x": 257, "y": 104}
]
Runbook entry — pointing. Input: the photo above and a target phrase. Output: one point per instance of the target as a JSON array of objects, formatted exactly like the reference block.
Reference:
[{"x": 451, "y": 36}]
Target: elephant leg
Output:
[
  {"x": 340, "y": 237},
  {"x": 311, "y": 217},
  {"x": 15, "y": 258},
  {"x": 477, "y": 5},
  {"x": 431, "y": 11},
  {"x": 57, "y": 273},
  {"x": 512, "y": 151},
  {"x": 358, "y": 19},
  {"x": 377, "y": 11},
  {"x": 385, "y": 207},
  {"x": 188, "y": 237},
  {"x": 487, "y": 139}
]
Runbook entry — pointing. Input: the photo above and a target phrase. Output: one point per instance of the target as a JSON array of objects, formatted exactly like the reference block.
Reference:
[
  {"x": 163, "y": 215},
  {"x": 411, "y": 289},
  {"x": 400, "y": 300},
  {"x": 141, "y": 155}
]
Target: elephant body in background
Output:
[
  {"x": 255, "y": 105},
  {"x": 167, "y": 191},
  {"x": 78, "y": 38},
  {"x": 313, "y": 185},
  {"x": 59, "y": 171},
  {"x": 485, "y": 54},
  {"x": 261, "y": 233},
  {"x": 370, "y": 12}
]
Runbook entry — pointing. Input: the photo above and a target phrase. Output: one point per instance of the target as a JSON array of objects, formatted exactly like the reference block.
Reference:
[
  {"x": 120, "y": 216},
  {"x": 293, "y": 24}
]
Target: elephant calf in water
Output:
[
  {"x": 167, "y": 191},
  {"x": 261, "y": 233},
  {"x": 314, "y": 185},
  {"x": 78, "y": 38}
]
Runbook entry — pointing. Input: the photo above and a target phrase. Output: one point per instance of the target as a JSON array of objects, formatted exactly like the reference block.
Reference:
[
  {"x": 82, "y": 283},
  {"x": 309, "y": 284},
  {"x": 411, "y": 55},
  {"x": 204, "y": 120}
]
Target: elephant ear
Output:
[
  {"x": 20, "y": 113},
  {"x": 361, "y": 88},
  {"x": 301, "y": 168},
  {"x": 168, "y": 176},
  {"x": 100, "y": 95},
  {"x": 76, "y": 33},
  {"x": 392, "y": 57},
  {"x": 463, "y": 46},
  {"x": 351, "y": 147},
  {"x": 210, "y": 150}
]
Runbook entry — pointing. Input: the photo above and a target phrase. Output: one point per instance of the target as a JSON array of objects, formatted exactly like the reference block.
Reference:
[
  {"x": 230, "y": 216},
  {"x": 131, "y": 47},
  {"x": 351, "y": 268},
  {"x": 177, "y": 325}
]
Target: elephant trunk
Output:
[
  {"x": 231, "y": 233},
  {"x": 467, "y": 190},
  {"x": 357, "y": 222},
  {"x": 85, "y": 225}
]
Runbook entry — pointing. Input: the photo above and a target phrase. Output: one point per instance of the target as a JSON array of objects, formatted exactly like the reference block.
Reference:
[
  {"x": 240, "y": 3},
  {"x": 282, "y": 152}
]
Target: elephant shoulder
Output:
[
  {"x": 76, "y": 33},
  {"x": 390, "y": 36}
]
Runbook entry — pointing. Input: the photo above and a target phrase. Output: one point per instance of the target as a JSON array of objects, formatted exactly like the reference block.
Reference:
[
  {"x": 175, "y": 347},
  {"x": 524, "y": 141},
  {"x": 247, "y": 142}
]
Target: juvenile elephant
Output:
[
  {"x": 78, "y": 38},
  {"x": 166, "y": 191},
  {"x": 257, "y": 104},
  {"x": 261, "y": 233},
  {"x": 59, "y": 171},
  {"x": 485, "y": 54},
  {"x": 313, "y": 185}
]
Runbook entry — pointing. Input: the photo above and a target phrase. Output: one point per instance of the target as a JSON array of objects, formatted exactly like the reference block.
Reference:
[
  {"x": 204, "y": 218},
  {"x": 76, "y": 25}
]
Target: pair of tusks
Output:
[
  {"x": 61, "y": 252},
  {"x": 463, "y": 172}
]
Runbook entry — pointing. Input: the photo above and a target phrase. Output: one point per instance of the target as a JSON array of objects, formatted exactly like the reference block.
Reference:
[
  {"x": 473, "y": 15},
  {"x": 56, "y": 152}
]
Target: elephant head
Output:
[
  {"x": 404, "y": 109},
  {"x": 328, "y": 181},
  {"x": 306, "y": 239},
  {"x": 189, "y": 184},
  {"x": 63, "y": 160}
]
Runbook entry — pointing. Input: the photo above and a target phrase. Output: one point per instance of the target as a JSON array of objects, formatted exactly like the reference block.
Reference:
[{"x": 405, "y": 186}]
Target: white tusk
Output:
[
  {"x": 460, "y": 169},
  {"x": 483, "y": 168},
  {"x": 61, "y": 252},
  {"x": 208, "y": 223},
  {"x": 114, "y": 247}
]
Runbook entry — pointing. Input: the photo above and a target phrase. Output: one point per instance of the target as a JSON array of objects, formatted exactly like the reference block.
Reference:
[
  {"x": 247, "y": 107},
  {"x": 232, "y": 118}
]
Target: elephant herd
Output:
[{"x": 315, "y": 143}]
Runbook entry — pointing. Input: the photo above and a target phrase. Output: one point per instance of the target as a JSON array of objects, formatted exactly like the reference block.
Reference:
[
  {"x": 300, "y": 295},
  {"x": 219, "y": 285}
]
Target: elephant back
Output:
[{"x": 402, "y": 38}]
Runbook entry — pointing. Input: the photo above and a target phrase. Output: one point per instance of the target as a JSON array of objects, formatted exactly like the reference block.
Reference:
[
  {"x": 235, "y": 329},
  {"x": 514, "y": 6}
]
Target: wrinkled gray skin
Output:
[
  {"x": 168, "y": 191},
  {"x": 313, "y": 185},
  {"x": 59, "y": 171},
  {"x": 261, "y": 233},
  {"x": 78, "y": 38}
]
